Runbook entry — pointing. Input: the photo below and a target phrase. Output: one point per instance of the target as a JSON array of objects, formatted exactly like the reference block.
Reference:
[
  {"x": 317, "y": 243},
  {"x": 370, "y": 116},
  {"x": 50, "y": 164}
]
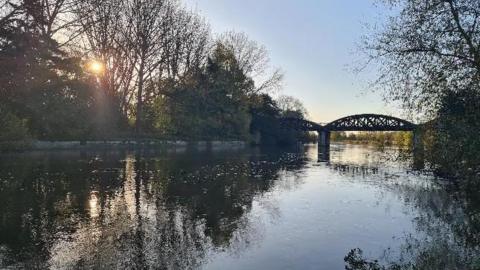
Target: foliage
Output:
[
  {"x": 425, "y": 50},
  {"x": 265, "y": 126},
  {"x": 43, "y": 85},
  {"x": 429, "y": 54},
  {"x": 220, "y": 102},
  {"x": 291, "y": 107},
  {"x": 160, "y": 73},
  {"x": 454, "y": 145},
  {"x": 213, "y": 104},
  {"x": 400, "y": 138},
  {"x": 254, "y": 60},
  {"x": 13, "y": 128}
]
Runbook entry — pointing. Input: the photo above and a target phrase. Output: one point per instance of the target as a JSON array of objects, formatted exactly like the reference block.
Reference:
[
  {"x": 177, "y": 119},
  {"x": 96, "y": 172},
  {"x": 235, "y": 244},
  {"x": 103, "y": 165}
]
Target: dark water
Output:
[{"x": 242, "y": 209}]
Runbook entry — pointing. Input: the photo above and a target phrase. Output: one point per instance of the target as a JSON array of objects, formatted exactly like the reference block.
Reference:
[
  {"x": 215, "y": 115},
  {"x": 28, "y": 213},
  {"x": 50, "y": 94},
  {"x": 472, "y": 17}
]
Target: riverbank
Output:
[
  {"x": 118, "y": 144},
  {"x": 374, "y": 143}
]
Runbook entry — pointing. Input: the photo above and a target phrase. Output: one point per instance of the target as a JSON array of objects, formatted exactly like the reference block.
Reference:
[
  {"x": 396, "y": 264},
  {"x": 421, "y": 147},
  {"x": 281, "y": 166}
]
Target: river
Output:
[{"x": 228, "y": 209}]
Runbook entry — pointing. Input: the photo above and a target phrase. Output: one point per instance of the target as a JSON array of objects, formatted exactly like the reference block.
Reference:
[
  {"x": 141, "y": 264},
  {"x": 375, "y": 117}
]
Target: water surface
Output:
[{"x": 245, "y": 209}]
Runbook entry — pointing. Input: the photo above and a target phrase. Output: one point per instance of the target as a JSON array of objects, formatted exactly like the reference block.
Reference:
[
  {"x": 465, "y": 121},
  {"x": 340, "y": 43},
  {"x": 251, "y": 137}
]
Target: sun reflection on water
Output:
[{"x": 94, "y": 205}]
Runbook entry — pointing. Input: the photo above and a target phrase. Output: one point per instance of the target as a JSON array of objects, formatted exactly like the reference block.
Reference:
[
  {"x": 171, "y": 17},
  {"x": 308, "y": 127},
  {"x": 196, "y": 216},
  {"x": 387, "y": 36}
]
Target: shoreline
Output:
[
  {"x": 120, "y": 144},
  {"x": 374, "y": 143}
]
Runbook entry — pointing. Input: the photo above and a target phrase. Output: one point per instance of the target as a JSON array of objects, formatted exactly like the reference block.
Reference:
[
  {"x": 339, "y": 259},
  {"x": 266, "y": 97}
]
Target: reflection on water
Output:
[{"x": 248, "y": 209}]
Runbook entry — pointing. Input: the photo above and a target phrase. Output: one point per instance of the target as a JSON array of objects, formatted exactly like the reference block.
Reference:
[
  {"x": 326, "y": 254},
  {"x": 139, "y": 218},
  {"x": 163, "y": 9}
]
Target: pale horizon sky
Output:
[{"x": 314, "y": 42}]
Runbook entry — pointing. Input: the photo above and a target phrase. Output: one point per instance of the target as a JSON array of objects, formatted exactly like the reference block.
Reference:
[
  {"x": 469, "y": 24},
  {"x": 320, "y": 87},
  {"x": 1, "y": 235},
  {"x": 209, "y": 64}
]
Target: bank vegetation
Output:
[{"x": 142, "y": 69}]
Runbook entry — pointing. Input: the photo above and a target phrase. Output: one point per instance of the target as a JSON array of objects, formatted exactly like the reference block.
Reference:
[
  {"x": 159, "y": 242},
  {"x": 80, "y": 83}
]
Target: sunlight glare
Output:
[{"x": 96, "y": 67}]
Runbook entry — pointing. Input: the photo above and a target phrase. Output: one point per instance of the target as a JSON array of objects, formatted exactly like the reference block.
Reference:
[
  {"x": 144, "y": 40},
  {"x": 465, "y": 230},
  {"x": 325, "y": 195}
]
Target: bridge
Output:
[{"x": 360, "y": 122}]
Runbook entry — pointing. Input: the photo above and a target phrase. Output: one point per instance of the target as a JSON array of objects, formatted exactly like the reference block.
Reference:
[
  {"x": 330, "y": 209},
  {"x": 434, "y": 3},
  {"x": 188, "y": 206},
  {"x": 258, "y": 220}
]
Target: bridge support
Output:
[
  {"x": 418, "y": 149},
  {"x": 324, "y": 146},
  {"x": 323, "y": 154},
  {"x": 324, "y": 138}
]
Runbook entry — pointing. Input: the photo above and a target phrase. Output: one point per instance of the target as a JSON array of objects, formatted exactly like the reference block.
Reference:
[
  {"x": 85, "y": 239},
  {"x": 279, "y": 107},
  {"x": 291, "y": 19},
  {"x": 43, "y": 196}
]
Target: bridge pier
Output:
[
  {"x": 324, "y": 145},
  {"x": 324, "y": 138},
  {"x": 418, "y": 149},
  {"x": 323, "y": 154}
]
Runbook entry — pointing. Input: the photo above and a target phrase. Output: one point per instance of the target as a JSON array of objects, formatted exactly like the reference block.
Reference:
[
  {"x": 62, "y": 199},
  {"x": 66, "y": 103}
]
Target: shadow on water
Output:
[{"x": 130, "y": 209}]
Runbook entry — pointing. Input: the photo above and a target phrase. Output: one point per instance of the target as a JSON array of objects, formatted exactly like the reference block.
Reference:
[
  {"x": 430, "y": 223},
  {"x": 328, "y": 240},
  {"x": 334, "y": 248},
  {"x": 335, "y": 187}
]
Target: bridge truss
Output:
[
  {"x": 370, "y": 122},
  {"x": 360, "y": 122}
]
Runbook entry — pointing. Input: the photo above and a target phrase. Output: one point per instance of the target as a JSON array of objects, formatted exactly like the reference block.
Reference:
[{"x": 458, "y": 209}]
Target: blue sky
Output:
[{"x": 314, "y": 42}]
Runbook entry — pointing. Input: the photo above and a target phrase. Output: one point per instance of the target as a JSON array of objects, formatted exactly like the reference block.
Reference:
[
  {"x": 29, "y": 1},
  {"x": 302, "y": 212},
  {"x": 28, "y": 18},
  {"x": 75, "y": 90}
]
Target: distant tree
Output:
[
  {"x": 338, "y": 136},
  {"x": 291, "y": 107}
]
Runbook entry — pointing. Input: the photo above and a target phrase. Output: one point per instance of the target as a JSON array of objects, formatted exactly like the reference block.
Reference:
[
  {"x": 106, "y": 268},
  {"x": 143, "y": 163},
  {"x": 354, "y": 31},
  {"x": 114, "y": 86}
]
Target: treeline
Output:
[
  {"x": 109, "y": 69},
  {"x": 400, "y": 138}
]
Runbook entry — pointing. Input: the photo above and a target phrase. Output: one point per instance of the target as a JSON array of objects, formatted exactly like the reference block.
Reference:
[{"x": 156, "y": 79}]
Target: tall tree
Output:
[
  {"x": 144, "y": 32},
  {"x": 103, "y": 22},
  {"x": 39, "y": 82},
  {"x": 254, "y": 60},
  {"x": 429, "y": 58},
  {"x": 426, "y": 50},
  {"x": 185, "y": 47}
]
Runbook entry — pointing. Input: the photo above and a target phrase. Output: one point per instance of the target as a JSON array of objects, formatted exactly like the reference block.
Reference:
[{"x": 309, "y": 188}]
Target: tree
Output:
[
  {"x": 158, "y": 69},
  {"x": 39, "y": 83},
  {"x": 253, "y": 59},
  {"x": 144, "y": 34},
  {"x": 225, "y": 87},
  {"x": 186, "y": 43},
  {"x": 102, "y": 24},
  {"x": 428, "y": 49},
  {"x": 429, "y": 58},
  {"x": 209, "y": 104},
  {"x": 13, "y": 128},
  {"x": 291, "y": 107},
  {"x": 8, "y": 11},
  {"x": 265, "y": 127},
  {"x": 453, "y": 145}
]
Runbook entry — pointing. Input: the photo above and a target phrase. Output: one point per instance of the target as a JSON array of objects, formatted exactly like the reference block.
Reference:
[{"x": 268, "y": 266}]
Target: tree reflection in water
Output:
[
  {"x": 71, "y": 210},
  {"x": 447, "y": 216},
  {"x": 130, "y": 210}
]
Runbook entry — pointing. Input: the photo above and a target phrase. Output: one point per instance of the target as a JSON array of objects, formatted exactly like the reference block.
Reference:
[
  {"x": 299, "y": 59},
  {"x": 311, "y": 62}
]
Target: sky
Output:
[{"x": 314, "y": 42}]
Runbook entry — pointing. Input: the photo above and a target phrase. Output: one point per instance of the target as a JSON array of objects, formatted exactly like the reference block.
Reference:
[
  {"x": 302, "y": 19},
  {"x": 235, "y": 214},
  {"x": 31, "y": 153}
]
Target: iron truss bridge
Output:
[{"x": 360, "y": 122}]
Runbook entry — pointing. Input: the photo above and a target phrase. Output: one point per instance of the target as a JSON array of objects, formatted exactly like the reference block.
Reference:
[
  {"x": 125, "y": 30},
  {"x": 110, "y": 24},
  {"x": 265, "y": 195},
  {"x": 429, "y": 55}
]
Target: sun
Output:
[{"x": 96, "y": 67}]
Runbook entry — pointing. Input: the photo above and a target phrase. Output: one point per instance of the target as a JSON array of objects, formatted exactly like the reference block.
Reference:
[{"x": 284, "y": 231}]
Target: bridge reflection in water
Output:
[{"x": 360, "y": 122}]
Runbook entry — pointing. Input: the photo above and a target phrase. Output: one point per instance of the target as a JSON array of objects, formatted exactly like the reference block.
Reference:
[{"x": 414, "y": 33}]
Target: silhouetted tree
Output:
[
  {"x": 254, "y": 60},
  {"x": 40, "y": 83},
  {"x": 427, "y": 49},
  {"x": 429, "y": 58}
]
